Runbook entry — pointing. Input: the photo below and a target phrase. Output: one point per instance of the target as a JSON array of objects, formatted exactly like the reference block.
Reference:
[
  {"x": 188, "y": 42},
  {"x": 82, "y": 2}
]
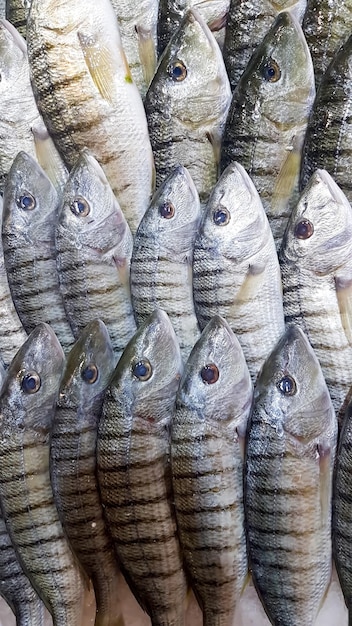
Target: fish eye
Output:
[
  {"x": 90, "y": 373},
  {"x": 271, "y": 71},
  {"x": 221, "y": 217},
  {"x": 31, "y": 382},
  {"x": 287, "y": 386},
  {"x": 26, "y": 202},
  {"x": 142, "y": 369},
  {"x": 209, "y": 374},
  {"x": 167, "y": 210},
  {"x": 80, "y": 206},
  {"x": 177, "y": 70},
  {"x": 304, "y": 229}
]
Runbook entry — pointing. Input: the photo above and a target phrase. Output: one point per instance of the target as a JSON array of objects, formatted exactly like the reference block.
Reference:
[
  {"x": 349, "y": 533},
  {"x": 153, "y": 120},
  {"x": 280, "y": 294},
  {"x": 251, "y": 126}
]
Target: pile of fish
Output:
[{"x": 176, "y": 308}]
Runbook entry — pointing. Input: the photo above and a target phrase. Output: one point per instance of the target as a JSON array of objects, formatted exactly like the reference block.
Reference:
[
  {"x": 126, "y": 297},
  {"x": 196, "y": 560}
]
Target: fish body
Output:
[
  {"x": 17, "y": 13},
  {"x": 209, "y": 423},
  {"x": 236, "y": 272},
  {"x": 94, "y": 247},
  {"x": 27, "y": 403},
  {"x": 87, "y": 97},
  {"x": 187, "y": 103},
  {"x": 134, "y": 470},
  {"x": 28, "y": 235},
  {"x": 315, "y": 261},
  {"x": 268, "y": 116},
  {"x": 161, "y": 265},
  {"x": 290, "y": 454}
]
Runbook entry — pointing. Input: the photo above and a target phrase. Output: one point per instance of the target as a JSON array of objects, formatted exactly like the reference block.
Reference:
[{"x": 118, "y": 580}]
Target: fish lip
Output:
[{"x": 18, "y": 39}]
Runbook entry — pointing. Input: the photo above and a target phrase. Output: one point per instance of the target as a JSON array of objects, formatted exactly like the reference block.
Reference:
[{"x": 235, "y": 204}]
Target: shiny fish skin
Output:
[
  {"x": 317, "y": 280},
  {"x": 17, "y": 13},
  {"x": 134, "y": 472},
  {"x": 49, "y": 158},
  {"x": 93, "y": 101},
  {"x": 161, "y": 264},
  {"x": 28, "y": 236},
  {"x": 186, "y": 117},
  {"x": 289, "y": 461},
  {"x": 207, "y": 471},
  {"x": 236, "y": 272},
  {"x": 268, "y": 118},
  {"x": 73, "y": 465},
  {"x": 247, "y": 23},
  {"x": 25, "y": 489},
  {"x": 94, "y": 248}
]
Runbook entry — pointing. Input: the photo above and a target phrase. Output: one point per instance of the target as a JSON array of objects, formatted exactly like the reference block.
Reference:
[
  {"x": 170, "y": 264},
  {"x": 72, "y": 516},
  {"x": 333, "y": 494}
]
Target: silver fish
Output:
[
  {"x": 289, "y": 463},
  {"x": 209, "y": 423},
  {"x": 134, "y": 470}
]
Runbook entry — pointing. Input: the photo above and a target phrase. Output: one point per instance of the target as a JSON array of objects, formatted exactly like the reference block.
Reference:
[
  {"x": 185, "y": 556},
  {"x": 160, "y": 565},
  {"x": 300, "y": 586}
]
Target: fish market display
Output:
[
  {"x": 28, "y": 235},
  {"x": 73, "y": 466},
  {"x": 94, "y": 247},
  {"x": 161, "y": 266},
  {"x": 316, "y": 268},
  {"x": 288, "y": 481},
  {"x": 17, "y": 13},
  {"x": 268, "y": 117},
  {"x": 27, "y": 403},
  {"x": 134, "y": 471},
  {"x": 207, "y": 435},
  {"x": 236, "y": 272},
  {"x": 87, "y": 97},
  {"x": 187, "y": 104}
]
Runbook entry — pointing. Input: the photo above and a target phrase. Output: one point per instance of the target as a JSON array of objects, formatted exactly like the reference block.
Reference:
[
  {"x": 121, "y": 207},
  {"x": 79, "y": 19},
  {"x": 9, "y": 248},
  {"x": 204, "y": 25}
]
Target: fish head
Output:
[
  {"x": 319, "y": 233},
  {"x": 89, "y": 366},
  {"x": 13, "y": 57}
]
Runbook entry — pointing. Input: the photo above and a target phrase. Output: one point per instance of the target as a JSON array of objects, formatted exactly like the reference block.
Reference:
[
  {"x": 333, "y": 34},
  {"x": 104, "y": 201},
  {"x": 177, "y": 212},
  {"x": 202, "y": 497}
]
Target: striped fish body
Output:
[
  {"x": 162, "y": 254},
  {"x": 316, "y": 269},
  {"x": 87, "y": 97},
  {"x": 268, "y": 116},
  {"x": 134, "y": 471},
  {"x": 17, "y": 13},
  {"x": 28, "y": 236},
  {"x": 27, "y": 405},
  {"x": 328, "y": 143},
  {"x": 94, "y": 247},
  {"x": 247, "y": 23},
  {"x": 210, "y": 419},
  {"x": 187, "y": 104},
  {"x": 236, "y": 272},
  {"x": 289, "y": 461}
]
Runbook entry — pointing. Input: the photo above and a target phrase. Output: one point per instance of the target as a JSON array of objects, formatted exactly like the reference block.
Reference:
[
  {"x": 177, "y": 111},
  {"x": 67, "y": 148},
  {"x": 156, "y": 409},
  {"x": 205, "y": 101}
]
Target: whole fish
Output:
[
  {"x": 89, "y": 366},
  {"x": 187, "y": 104},
  {"x": 94, "y": 247},
  {"x": 27, "y": 402},
  {"x": 236, "y": 272},
  {"x": 138, "y": 23},
  {"x": 212, "y": 407},
  {"x": 17, "y": 13},
  {"x": 171, "y": 13},
  {"x": 316, "y": 268},
  {"x": 247, "y": 23},
  {"x": 289, "y": 462},
  {"x": 268, "y": 117},
  {"x": 161, "y": 264},
  {"x": 87, "y": 97},
  {"x": 134, "y": 471},
  {"x": 28, "y": 235},
  {"x": 328, "y": 140}
]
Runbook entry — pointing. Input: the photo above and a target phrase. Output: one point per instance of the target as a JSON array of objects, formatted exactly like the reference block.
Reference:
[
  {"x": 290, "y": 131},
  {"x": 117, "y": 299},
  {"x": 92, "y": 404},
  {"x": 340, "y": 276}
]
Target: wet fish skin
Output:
[
  {"x": 207, "y": 428},
  {"x": 161, "y": 264},
  {"x": 27, "y": 405},
  {"x": 17, "y": 13},
  {"x": 94, "y": 248},
  {"x": 186, "y": 114},
  {"x": 89, "y": 366},
  {"x": 28, "y": 235},
  {"x": 289, "y": 460},
  {"x": 134, "y": 470},
  {"x": 236, "y": 272},
  {"x": 315, "y": 261},
  {"x": 268, "y": 116}
]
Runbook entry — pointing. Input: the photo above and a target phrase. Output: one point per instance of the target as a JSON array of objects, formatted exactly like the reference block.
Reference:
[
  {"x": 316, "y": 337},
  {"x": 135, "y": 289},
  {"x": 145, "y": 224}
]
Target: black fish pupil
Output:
[
  {"x": 90, "y": 374},
  {"x": 209, "y": 374},
  {"x": 26, "y": 201},
  {"x": 30, "y": 382},
  {"x": 167, "y": 210},
  {"x": 287, "y": 385},
  {"x": 177, "y": 71},
  {"x": 80, "y": 207},
  {"x": 140, "y": 370},
  {"x": 221, "y": 217},
  {"x": 304, "y": 229}
]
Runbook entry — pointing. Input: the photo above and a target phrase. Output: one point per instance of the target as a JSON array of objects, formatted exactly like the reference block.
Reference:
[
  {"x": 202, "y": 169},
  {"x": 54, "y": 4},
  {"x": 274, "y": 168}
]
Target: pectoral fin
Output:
[
  {"x": 147, "y": 53},
  {"x": 100, "y": 63},
  {"x": 344, "y": 298},
  {"x": 324, "y": 452},
  {"x": 286, "y": 181},
  {"x": 251, "y": 284}
]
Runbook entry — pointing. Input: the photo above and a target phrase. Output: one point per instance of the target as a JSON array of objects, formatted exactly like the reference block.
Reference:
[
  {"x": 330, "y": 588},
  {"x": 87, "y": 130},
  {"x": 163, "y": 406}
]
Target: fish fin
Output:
[
  {"x": 286, "y": 181},
  {"x": 251, "y": 284},
  {"x": 324, "y": 452},
  {"x": 246, "y": 582},
  {"x": 344, "y": 298},
  {"x": 147, "y": 52},
  {"x": 218, "y": 23},
  {"x": 48, "y": 157},
  {"x": 215, "y": 140}
]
